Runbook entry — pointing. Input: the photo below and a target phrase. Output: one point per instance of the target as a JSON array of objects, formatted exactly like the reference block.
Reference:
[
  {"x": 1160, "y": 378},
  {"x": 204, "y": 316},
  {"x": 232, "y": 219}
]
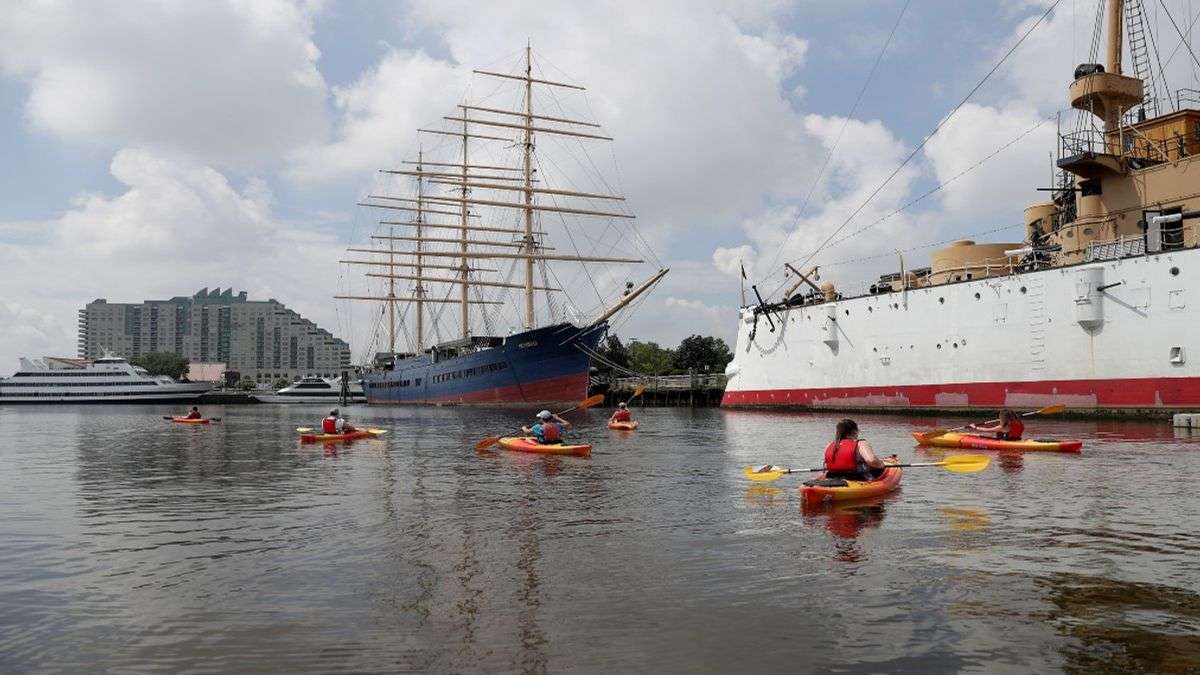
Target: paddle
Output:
[
  {"x": 1048, "y": 410},
  {"x": 636, "y": 393},
  {"x": 585, "y": 404},
  {"x": 210, "y": 419},
  {"x": 952, "y": 463},
  {"x": 377, "y": 432}
]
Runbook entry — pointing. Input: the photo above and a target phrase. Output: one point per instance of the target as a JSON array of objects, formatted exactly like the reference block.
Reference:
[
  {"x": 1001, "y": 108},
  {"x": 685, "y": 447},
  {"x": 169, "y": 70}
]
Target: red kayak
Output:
[
  {"x": 530, "y": 444},
  {"x": 956, "y": 440},
  {"x": 333, "y": 438}
]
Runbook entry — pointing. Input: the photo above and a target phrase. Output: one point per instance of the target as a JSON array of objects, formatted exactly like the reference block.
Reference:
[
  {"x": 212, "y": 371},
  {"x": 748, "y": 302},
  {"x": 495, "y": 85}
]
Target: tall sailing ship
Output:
[
  {"x": 464, "y": 219},
  {"x": 1098, "y": 307}
]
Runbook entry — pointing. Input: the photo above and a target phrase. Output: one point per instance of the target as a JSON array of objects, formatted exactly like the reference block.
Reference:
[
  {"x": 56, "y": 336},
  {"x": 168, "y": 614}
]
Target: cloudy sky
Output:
[{"x": 151, "y": 148}]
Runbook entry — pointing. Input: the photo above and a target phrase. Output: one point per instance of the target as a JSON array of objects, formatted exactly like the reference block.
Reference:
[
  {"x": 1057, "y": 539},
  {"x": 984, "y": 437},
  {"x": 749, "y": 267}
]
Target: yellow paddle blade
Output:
[
  {"x": 592, "y": 401},
  {"x": 487, "y": 442},
  {"x": 1052, "y": 409},
  {"x": 304, "y": 430},
  {"x": 772, "y": 473},
  {"x": 378, "y": 432},
  {"x": 965, "y": 463}
]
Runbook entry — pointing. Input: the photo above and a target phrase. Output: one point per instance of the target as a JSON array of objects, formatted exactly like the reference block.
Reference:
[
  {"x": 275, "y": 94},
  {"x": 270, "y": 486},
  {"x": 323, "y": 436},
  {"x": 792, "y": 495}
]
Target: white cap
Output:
[
  {"x": 621, "y": 405},
  {"x": 545, "y": 414}
]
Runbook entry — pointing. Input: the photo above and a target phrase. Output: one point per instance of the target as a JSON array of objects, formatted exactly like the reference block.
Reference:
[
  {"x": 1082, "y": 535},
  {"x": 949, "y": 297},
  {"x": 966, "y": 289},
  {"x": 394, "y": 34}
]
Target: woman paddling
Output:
[
  {"x": 851, "y": 458},
  {"x": 1009, "y": 428}
]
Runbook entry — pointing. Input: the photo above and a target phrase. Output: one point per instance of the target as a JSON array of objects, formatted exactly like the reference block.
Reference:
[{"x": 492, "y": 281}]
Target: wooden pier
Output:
[{"x": 669, "y": 390}]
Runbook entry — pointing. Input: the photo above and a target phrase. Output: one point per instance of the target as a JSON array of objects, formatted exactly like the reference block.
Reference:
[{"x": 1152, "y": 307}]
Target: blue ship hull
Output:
[{"x": 542, "y": 366}]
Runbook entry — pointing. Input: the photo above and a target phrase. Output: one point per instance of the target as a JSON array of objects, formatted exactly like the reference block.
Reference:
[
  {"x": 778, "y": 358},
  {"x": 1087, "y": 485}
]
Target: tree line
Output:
[{"x": 699, "y": 353}]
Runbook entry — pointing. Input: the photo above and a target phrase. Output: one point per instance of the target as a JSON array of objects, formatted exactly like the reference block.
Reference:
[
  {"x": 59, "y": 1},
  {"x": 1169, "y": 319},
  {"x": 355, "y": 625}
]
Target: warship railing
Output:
[{"x": 1131, "y": 144}]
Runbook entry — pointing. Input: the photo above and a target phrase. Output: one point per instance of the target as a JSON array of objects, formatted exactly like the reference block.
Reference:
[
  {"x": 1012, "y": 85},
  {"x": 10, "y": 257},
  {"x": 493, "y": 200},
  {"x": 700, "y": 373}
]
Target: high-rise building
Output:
[{"x": 259, "y": 339}]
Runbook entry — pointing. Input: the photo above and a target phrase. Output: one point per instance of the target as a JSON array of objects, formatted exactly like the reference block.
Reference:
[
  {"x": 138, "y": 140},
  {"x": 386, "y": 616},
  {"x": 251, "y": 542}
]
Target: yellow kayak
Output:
[{"x": 955, "y": 440}]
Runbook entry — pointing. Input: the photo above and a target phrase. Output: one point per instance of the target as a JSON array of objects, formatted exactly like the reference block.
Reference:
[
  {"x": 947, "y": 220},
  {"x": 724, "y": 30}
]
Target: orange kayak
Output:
[
  {"x": 853, "y": 489},
  {"x": 623, "y": 426},
  {"x": 530, "y": 444},
  {"x": 185, "y": 420},
  {"x": 954, "y": 440},
  {"x": 332, "y": 438}
]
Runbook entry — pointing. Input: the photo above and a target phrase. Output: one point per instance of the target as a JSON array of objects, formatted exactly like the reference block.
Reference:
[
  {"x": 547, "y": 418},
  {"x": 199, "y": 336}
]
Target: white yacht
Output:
[
  {"x": 315, "y": 390},
  {"x": 110, "y": 379}
]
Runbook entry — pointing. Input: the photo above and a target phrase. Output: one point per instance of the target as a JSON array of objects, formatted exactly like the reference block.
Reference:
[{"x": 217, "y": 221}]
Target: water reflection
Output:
[{"x": 847, "y": 522}]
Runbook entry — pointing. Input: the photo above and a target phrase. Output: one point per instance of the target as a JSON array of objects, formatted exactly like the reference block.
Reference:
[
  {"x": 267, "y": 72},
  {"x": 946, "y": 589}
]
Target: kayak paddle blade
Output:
[
  {"x": 304, "y": 430},
  {"x": 1052, "y": 409},
  {"x": 487, "y": 442},
  {"x": 772, "y": 473},
  {"x": 592, "y": 401},
  {"x": 377, "y": 432},
  {"x": 965, "y": 463}
]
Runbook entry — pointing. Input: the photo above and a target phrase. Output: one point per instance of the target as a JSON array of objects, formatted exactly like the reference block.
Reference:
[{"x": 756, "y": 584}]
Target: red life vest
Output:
[
  {"x": 842, "y": 456},
  {"x": 195, "y": 415},
  {"x": 329, "y": 425},
  {"x": 622, "y": 416},
  {"x": 551, "y": 433},
  {"x": 1015, "y": 429}
]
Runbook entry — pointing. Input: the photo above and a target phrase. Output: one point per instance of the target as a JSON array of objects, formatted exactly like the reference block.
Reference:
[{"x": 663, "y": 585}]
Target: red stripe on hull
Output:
[
  {"x": 1137, "y": 393},
  {"x": 568, "y": 389}
]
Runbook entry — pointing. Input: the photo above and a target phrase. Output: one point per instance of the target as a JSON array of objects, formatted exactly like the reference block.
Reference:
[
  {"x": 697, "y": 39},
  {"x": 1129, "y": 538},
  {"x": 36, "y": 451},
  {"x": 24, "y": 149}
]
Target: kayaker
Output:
[
  {"x": 548, "y": 429},
  {"x": 1009, "y": 428},
  {"x": 621, "y": 414},
  {"x": 850, "y": 457},
  {"x": 329, "y": 425},
  {"x": 194, "y": 414},
  {"x": 344, "y": 426}
]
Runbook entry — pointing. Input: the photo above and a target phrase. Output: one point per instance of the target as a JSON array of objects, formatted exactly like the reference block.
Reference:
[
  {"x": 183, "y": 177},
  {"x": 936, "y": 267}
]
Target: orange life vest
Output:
[
  {"x": 842, "y": 456},
  {"x": 1015, "y": 429},
  {"x": 622, "y": 416}
]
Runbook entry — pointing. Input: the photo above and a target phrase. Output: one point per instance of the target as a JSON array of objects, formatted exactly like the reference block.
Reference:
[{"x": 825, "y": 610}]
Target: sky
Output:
[{"x": 153, "y": 148}]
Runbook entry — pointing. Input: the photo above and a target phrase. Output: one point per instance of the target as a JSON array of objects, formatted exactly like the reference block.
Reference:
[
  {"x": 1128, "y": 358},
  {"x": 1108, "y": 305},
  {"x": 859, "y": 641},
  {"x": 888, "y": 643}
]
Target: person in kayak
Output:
[
  {"x": 329, "y": 424},
  {"x": 621, "y": 414},
  {"x": 850, "y": 457},
  {"x": 194, "y": 414},
  {"x": 548, "y": 429},
  {"x": 1009, "y": 428}
]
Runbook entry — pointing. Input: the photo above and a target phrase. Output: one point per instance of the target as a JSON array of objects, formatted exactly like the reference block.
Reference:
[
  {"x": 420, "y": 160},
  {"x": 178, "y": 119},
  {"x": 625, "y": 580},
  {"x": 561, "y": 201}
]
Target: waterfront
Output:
[{"x": 134, "y": 544}]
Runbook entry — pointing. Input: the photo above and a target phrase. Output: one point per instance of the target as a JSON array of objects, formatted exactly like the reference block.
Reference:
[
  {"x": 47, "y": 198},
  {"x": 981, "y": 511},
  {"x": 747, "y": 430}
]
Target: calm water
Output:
[{"x": 128, "y": 543}]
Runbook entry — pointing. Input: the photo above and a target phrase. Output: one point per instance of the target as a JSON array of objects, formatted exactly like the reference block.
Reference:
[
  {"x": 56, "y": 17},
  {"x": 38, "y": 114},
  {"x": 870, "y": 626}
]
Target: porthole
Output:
[
  {"x": 956, "y": 345},
  {"x": 963, "y": 342},
  {"x": 870, "y": 309},
  {"x": 875, "y": 349},
  {"x": 1023, "y": 290},
  {"x": 976, "y": 296},
  {"x": 941, "y": 301},
  {"x": 847, "y": 312},
  {"x": 939, "y": 345},
  {"x": 1174, "y": 271}
]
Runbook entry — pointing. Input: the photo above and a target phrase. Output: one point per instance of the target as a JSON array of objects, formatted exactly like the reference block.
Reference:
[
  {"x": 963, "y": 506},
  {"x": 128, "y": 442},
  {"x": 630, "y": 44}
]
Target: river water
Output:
[{"x": 131, "y": 544}]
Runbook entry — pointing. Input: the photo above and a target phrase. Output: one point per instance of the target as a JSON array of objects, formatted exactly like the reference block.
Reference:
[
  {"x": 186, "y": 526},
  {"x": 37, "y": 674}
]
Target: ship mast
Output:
[
  {"x": 420, "y": 290},
  {"x": 464, "y": 302},
  {"x": 529, "y": 320}
]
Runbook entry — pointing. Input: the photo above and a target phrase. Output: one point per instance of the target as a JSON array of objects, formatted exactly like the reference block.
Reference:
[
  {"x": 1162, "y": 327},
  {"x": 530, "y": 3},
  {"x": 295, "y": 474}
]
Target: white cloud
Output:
[
  {"x": 176, "y": 227},
  {"x": 228, "y": 81}
]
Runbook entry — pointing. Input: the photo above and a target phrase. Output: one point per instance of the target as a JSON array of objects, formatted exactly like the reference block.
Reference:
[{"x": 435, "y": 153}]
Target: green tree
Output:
[
  {"x": 281, "y": 383},
  {"x": 703, "y": 353},
  {"x": 162, "y": 363},
  {"x": 649, "y": 358},
  {"x": 612, "y": 352}
]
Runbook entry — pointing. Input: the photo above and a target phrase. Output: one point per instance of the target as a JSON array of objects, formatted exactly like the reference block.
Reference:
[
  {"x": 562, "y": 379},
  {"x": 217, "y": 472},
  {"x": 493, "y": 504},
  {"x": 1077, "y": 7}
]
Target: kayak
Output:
[
  {"x": 530, "y": 444},
  {"x": 954, "y": 440},
  {"x": 329, "y": 438},
  {"x": 184, "y": 420},
  {"x": 813, "y": 492},
  {"x": 623, "y": 426}
]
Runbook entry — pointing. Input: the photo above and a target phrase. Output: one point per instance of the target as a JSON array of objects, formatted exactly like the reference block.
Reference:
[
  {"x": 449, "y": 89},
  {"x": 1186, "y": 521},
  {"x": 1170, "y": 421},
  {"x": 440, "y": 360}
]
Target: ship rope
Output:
[
  {"x": 935, "y": 189},
  {"x": 837, "y": 140},
  {"x": 1183, "y": 38},
  {"x": 928, "y": 137}
]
